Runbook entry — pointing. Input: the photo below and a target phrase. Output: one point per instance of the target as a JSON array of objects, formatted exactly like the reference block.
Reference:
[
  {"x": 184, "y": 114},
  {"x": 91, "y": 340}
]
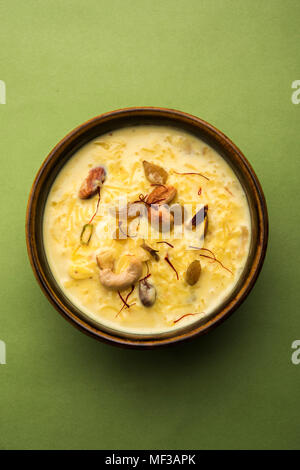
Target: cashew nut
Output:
[{"x": 123, "y": 280}]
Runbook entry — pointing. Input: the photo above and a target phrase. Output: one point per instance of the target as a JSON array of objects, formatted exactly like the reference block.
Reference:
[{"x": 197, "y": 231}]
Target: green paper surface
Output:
[{"x": 230, "y": 62}]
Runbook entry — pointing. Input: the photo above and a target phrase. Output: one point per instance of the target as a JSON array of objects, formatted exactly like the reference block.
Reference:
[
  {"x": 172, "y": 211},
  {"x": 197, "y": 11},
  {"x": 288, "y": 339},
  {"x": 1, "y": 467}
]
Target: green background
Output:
[{"x": 230, "y": 62}]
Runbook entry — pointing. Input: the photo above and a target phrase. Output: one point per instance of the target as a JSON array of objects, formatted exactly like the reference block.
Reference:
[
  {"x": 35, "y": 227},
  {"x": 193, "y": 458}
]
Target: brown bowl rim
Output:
[{"x": 181, "y": 335}]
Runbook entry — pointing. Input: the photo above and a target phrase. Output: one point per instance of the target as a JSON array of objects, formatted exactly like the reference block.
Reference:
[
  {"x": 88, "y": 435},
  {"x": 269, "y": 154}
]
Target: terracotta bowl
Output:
[{"x": 109, "y": 122}]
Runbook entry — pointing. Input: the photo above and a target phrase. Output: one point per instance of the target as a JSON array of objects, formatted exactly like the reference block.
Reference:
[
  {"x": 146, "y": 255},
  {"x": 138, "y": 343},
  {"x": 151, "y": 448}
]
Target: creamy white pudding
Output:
[{"x": 146, "y": 164}]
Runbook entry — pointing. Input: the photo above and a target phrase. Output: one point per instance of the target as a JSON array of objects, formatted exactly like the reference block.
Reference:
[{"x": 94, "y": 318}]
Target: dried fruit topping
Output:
[
  {"x": 198, "y": 218},
  {"x": 211, "y": 256},
  {"x": 154, "y": 173},
  {"x": 92, "y": 182},
  {"x": 161, "y": 195},
  {"x": 86, "y": 234},
  {"x": 193, "y": 272},
  {"x": 151, "y": 251},
  {"x": 124, "y": 279},
  {"x": 147, "y": 292}
]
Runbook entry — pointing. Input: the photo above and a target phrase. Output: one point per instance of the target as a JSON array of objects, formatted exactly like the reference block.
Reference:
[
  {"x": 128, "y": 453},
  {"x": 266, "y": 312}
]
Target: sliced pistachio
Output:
[
  {"x": 193, "y": 272},
  {"x": 86, "y": 234},
  {"x": 150, "y": 250},
  {"x": 147, "y": 293},
  {"x": 154, "y": 173}
]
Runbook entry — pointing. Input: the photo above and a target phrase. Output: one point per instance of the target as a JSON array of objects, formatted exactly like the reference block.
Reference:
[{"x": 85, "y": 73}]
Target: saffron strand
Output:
[{"x": 171, "y": 265}]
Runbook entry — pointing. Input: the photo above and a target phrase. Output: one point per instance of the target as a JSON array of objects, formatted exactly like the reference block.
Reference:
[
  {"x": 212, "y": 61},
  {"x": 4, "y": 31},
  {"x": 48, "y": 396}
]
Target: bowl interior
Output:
[{"x": 132, "y": 117}]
